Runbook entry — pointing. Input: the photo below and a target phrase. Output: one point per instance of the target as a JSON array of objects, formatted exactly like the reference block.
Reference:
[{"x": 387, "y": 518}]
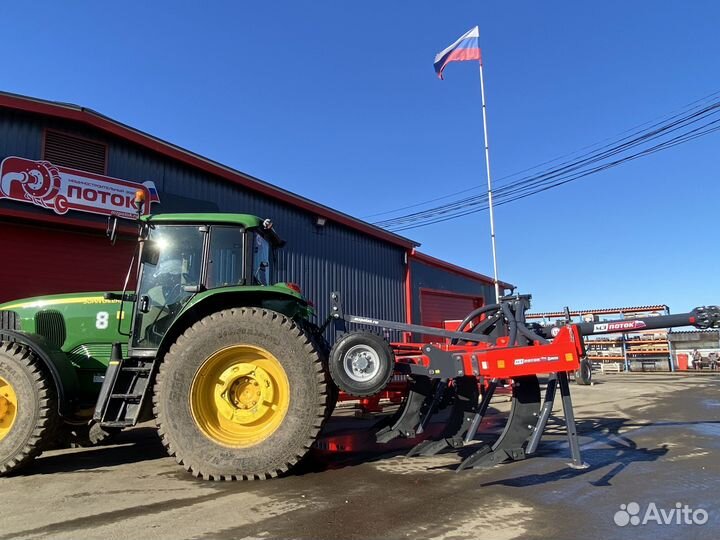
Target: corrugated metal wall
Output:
[
  {"x": 19, "y": 135},
  {"x": 38, "y": 260},
  {"x": 425, "y": 276},
  {"x": 368, "y": 271}
]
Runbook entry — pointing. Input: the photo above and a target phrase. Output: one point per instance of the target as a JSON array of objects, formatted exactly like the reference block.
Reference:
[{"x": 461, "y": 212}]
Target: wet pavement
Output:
[{"x": 651, "y": 439}]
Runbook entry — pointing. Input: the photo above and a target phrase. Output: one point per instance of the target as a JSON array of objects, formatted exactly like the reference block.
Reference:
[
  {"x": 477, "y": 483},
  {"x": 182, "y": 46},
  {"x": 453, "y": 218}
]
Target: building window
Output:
[{"x": 74, "y": 152}]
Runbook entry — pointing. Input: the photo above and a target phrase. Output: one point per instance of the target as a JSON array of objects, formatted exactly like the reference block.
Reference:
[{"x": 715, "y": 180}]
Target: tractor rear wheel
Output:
[
  {"x": 240, "y": 395},
  {"x": 323, "y": 349},
  {"x": 28, "y": 407}
]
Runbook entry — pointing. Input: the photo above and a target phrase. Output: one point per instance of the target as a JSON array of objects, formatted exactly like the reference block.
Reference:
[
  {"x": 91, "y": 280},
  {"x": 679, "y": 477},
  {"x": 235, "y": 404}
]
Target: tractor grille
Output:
[{"x": 51, "y": 325}]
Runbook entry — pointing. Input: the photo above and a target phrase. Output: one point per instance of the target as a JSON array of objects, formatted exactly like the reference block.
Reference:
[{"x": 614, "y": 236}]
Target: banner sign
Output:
[
  {"x": 61, "y": 189},
  {"x": 620, "y": 326}
]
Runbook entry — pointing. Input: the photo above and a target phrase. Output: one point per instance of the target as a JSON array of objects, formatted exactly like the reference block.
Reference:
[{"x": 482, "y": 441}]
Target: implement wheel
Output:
[
  {"x": 583, "y": 375},
  {"x": 361, "y": 363},
  {"x": 240, "y": 395},
  {"x": 28, "y": 407}
]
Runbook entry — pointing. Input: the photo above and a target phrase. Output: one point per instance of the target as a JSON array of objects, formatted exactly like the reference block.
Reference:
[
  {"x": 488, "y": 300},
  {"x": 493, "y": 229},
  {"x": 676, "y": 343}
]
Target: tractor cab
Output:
[{"x": 182, "y": 255}]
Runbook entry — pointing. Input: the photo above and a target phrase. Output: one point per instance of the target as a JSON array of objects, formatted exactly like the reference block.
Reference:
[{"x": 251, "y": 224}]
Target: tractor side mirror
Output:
[
  {"x": 193, "y": 288},
  {"x": 111, "y": 230},
  {"x": 150, "y": 252}
]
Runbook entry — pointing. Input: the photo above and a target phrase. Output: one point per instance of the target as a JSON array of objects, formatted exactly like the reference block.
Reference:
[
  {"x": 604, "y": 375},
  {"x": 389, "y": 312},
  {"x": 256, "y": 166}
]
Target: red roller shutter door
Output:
[
  {"x": 37, "y": 260},
  {"x": 436, "y": 307}
]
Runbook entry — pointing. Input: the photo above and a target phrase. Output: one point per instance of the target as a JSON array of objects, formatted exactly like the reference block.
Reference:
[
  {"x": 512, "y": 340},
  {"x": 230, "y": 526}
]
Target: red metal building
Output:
[{"x": 65, "y": 168}]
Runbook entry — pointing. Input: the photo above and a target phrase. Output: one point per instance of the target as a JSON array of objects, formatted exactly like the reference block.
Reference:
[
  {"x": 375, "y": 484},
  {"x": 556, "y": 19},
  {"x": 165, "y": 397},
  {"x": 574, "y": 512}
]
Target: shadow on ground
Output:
[
  {"x": 140, "y": 444},
  {"x": 608, "y": 444}
]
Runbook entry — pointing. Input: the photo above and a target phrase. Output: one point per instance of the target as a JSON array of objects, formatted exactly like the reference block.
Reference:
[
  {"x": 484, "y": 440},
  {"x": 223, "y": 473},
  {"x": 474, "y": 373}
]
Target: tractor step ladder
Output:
[{"x": 123, "y": 391}]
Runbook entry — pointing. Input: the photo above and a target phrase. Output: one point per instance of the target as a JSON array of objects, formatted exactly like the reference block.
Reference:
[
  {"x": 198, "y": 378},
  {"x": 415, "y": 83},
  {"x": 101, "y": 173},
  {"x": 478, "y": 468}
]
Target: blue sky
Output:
[{"x": 338, "y": 101}]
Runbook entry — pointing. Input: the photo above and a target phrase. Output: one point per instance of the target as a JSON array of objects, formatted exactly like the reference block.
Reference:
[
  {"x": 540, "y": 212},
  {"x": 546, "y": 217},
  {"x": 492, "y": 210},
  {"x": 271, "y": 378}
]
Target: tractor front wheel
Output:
[
  {"x": 28, "y": 407},
  {"x": 240, "y": 395}
]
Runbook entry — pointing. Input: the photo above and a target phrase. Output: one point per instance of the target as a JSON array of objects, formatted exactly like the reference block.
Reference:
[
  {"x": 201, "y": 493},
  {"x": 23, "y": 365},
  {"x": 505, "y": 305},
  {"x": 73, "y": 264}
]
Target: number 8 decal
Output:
[{"x": 102, "y": 320}]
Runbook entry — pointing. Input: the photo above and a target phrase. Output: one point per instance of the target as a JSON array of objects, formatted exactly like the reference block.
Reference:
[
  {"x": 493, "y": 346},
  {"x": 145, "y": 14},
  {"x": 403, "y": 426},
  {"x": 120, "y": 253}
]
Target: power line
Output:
[
  {"x": 573, "y": 169},
  {"x": 699, "y": 132},
  {"x": 563, "y": 168},
  {"x": 596, "y": 146}
]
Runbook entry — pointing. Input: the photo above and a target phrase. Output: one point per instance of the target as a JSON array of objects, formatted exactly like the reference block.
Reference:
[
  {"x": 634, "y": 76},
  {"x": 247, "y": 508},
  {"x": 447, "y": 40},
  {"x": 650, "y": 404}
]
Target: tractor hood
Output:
[
  {"x": 72, "y": 320},
  {"x": 56, "y": 301},
  {"x": 69, "y": 320}
]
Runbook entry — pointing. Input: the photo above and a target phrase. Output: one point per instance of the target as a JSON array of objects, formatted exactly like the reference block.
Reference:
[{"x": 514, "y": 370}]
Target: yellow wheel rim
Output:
[
  {"x": 240, "y": 396},
  {"x": 8, "y": 407}
]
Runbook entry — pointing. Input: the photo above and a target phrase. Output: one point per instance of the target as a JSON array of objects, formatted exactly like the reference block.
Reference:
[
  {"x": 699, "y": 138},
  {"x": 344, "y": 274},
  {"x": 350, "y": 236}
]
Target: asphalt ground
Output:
[{"x": 651, "y": 439}]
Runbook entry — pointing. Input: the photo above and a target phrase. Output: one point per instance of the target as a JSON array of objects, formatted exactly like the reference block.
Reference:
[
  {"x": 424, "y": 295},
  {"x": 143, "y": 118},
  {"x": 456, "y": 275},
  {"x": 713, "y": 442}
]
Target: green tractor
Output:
[{"x": 229, "y": 365}]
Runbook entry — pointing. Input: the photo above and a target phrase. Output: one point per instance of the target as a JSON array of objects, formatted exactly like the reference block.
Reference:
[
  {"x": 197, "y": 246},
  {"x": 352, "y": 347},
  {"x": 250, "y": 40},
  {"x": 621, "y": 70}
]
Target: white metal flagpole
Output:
[{"x": 489, "y": 183}]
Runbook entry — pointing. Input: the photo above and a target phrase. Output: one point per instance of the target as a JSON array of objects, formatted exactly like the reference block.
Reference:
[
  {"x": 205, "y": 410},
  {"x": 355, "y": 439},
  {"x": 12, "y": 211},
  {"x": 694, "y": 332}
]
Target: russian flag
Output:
[
  {"x": 465, "y": 48},
  {"x": 152, "y": 190}
]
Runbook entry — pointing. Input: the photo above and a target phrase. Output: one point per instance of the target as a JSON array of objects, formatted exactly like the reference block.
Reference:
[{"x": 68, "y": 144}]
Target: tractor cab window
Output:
[
  {"x": 226, "y": 262},
  {"x": 261, "y": 255},
  {"x": 169, "y": 273}
]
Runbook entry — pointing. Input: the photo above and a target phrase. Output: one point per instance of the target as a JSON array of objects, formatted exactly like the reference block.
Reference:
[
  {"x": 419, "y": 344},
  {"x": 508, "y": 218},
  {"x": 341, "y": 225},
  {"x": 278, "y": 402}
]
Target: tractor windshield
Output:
[{"x": 167, "y": 279}]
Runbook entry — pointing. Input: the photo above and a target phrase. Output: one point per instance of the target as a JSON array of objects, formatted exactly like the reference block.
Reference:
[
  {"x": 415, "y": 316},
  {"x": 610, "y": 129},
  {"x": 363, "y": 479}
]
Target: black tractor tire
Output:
[
  {"x": 323, "y": 349},
  {"x": 36, "y": 421},
  {"x": 369, "y": 343},
  {"x": 185, "y": 439},
  {"x": 333, "y": 392},
  {"x": 583, "y": 375}
]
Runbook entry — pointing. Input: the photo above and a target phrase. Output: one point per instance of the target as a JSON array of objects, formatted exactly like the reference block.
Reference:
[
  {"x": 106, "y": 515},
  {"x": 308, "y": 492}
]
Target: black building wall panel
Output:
[
  {"x": 368, "y": 271},
  {"x": 18, "y": 136},
  {"x": 425, "y": 276}
]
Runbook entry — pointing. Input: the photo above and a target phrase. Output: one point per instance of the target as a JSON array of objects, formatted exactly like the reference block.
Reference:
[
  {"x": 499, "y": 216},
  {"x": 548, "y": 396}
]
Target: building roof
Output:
[
  {"x": 605, "y": 311},
  {"x": 83, "y": 115},
  {"x": 432, "y": 261}
]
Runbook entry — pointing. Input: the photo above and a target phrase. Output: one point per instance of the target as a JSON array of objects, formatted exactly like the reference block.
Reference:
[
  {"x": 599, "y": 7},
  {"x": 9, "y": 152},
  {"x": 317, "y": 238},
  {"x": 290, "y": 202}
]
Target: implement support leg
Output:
[{"x": 577, "y": 462}]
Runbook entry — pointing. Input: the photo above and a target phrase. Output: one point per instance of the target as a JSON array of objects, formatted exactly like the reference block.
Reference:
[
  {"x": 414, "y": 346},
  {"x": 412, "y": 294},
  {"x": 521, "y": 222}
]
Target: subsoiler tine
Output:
[
  {"x": 428, "y": 448},
  {"x": 477, "y": 419},
  {"x": 461, "y": 414},
  {"x": 409, "y": 417},
  {"x": 523, "y": 415},
  {"x": 543, "y": 416},
  {"x": 438, "y": 394}
]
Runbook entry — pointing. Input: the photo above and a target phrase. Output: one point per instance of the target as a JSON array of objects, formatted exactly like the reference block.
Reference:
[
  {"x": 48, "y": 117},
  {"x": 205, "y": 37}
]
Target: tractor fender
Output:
[
  {"x": 56, "y": 362},
  {"x": 214, "y": 300},
  {"x": 219, "y": 299}
]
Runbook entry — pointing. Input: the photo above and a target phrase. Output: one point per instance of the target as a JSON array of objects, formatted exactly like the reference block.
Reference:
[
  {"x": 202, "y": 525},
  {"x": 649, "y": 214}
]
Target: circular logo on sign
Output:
[{"x": 61, "y": 204}]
